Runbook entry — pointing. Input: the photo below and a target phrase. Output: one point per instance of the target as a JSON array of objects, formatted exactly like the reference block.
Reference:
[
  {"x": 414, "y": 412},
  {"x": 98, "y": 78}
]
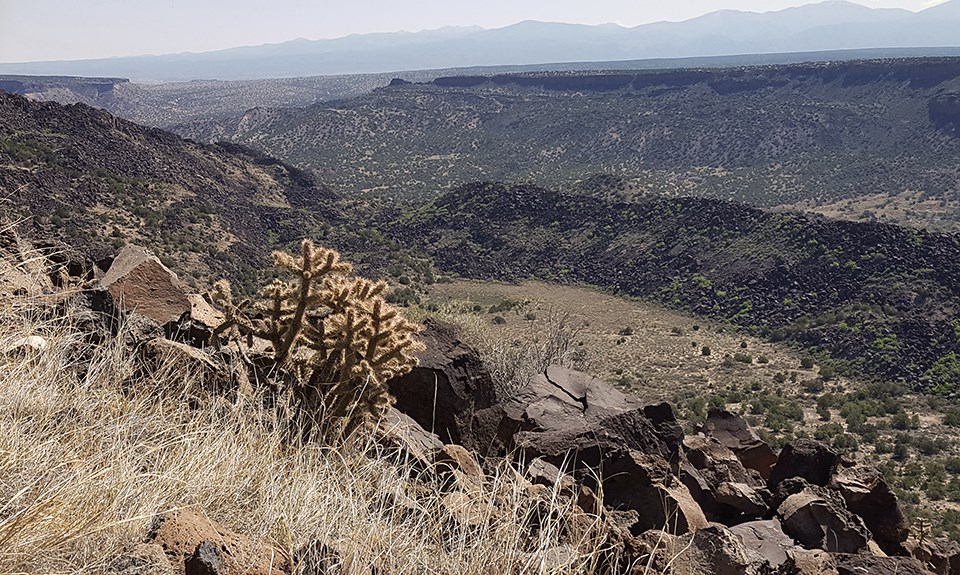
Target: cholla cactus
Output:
[{"x": 334, "y": 337}]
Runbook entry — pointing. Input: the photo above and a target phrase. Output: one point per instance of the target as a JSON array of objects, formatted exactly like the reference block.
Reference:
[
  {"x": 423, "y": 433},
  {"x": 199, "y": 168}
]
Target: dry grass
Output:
[
  {"x": 90, "y": 452},
  {"x": 660, "y": 359}
]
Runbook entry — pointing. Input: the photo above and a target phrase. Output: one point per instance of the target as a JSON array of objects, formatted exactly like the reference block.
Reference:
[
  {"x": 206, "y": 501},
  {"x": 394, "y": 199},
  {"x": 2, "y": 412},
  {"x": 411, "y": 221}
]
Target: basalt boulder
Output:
[
  {"x": 447, "y": 390},
  {"x": 137, "y": 283},
  {"x": 733, "y": 432},
  {"x": 867, "y": 494},
  {"x": 807, "y": 459}
]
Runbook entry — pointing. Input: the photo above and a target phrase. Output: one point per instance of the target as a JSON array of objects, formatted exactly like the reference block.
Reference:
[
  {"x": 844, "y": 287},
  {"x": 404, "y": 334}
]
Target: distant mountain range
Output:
[{"x": 827, "y": 26}]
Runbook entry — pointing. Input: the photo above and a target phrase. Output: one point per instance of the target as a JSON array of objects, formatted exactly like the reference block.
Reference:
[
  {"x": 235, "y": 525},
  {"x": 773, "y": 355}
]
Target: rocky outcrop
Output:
[
  {"x": 867, "y": 494},
  {"x": 807, "y": 459},
  {"x": 724, "y": 488},
  {"x": 816, "y": 519},
  {"x": 713, "y": 550}
]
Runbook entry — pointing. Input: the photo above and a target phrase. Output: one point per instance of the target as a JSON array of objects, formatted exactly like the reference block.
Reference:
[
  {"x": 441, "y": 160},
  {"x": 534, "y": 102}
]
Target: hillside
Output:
[
  {"x": 764, "y": 135},
  {"x": 92, "y": 182},
  {"x": 825, "y": 26},
  {"x": 877, "y": 299},
  {"x": 162, "y": 104}
]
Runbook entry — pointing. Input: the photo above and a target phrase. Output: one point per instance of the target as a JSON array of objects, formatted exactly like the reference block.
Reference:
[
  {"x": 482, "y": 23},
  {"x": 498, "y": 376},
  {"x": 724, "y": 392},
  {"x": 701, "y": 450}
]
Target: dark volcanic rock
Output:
[
  {"x": 644, "y": 484},
  {"x": 817, "y": 518},
  {"x": 766, "y": 538},
  {"x": 444, "y": 392},
  {"x": 807, "y": 459},
  {"x": 848, "y": 564},
  {"x": 578, "y": 442},
  {"x": 204, "y": 561},
  {"x": 733, "y": 433},
  {"x": 713, "y": 550},
  {"x": 867, "y": 494}
]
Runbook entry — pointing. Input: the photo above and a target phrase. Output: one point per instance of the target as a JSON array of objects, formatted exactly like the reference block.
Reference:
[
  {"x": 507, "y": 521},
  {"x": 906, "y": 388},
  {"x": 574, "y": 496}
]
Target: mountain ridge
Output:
[{"x": 719, "y": 33}]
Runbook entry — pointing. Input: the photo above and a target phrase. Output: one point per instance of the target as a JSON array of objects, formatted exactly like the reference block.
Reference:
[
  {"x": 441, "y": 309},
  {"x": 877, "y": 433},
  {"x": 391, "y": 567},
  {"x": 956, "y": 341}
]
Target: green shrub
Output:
[
  {"x": 813, "y": 385},
  {"x": 828, "y": 431},
  {"x": 900, "y": 421},
  {"x": 807, "y": 363},
  {"x": 900, "y": 451},
  {"x": 743, "y": 358},
  {"x": 952, "y": 417},
  {"x": 845, "y": 442}
]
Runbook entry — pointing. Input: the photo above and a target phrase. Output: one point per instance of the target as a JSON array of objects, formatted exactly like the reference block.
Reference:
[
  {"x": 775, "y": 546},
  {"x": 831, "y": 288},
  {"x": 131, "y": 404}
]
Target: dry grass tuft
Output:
[{"x": 92, "y": 448}]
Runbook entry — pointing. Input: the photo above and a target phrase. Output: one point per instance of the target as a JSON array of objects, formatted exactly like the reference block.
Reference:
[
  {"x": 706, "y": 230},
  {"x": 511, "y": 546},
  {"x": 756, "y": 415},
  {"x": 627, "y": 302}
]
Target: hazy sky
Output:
[{"x": 32, "y": 30}]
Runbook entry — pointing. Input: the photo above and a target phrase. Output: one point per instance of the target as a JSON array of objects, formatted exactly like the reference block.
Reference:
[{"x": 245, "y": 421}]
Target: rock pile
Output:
[{"x": 719, "y": 501}]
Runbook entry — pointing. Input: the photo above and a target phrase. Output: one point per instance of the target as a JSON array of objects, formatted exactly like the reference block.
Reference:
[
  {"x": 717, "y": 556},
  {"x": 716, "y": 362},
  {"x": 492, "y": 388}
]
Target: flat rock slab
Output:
[
  {"x": 766, "y": 538},
  {"x": 138, "y": 283}
]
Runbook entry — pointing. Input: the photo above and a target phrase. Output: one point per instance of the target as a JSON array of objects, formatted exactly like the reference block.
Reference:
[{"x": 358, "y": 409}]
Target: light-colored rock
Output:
[
  {"x": 33, "y": 344},
  {"x": 203, "y": 312},
  {"x": 181, "y": 532},
  {"x": 766, "y": 538},
  {"x": 138, "y": 283},
  {"x": 809, "y": 562},
  {"x": 414, "y": 444}
]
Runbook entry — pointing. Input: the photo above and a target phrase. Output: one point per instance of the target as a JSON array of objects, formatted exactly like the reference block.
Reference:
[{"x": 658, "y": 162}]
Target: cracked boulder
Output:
[
  {"x": 867, "y": 494},
  {"x": 573, "y": 420},
  {"x": 818, "y": 519},
  {"x": 645, "y": 485},
  {"x": 766, "y": 538},
  {"x": 725, "y": 489}
]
